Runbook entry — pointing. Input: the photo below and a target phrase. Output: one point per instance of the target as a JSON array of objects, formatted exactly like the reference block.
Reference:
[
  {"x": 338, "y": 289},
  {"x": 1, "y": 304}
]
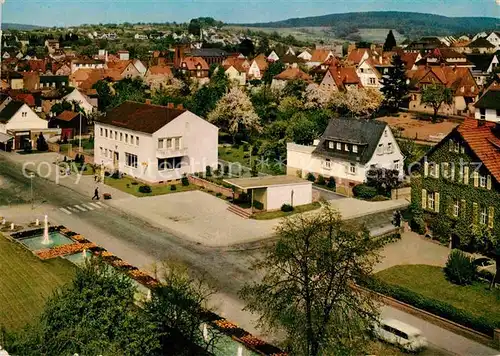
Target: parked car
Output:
[
  {"x": 398, "y": 333},
  {"x": 486, "y": 267}
]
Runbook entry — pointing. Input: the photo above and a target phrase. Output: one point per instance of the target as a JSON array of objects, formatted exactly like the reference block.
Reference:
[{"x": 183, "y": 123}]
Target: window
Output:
[
  {"x": 328, "y": 164},
  {"x": 430, "y": 201},
  {"x": 456, "y": 208},
  {"x": 482, "y": 112},
  {"x": 330, "y": 145},
  {"x": 101, "y": 130},
  {"x": 101, "y": 150},
  {"x": 105, "y": 152},
  {"x": 434, "y": 170},
  {"x": 372, "y": 81},
  {"x": 130, "y": 160},
  {"x": 166, "y": 164},
  {"x": 106, "y": 133},
  {"x": 380, "y": 149},
  {"x": 116, "y": 135},
  {"x": 385, "y": 133},
  {"x": 137, "y": 140},
  {"x": 389, "y": 147},
  {"x": 24, "y": 114},
  {"x": 339, "y": 146},
  {"x": 355, "y": 148},
  {"x": 457, "y": 147},
  {"x": 346, "y": 147},
  {"x": 169, "y": 143},
  {"x": 177, "y": 142},
  {"x": 121, "y": 136},
  {"x": 483, "y": 216},
  {"x": 126, "y": 138},
  {"x": 352, "y": 168},
  {"x": 482, "y": 181},
  {"x": 396, "y": 165},
  {"x": 161, "y": 143}
]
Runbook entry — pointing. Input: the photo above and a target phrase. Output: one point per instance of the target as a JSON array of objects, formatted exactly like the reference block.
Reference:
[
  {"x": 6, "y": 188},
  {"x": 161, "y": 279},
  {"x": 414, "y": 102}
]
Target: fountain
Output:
[
  {"x": 84, "y": 254},
  {"x": 46, "y": 239}
]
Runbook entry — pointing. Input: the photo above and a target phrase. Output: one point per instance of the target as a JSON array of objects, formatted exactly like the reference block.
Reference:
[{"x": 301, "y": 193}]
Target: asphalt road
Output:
[{"x": 226, "y": 268}]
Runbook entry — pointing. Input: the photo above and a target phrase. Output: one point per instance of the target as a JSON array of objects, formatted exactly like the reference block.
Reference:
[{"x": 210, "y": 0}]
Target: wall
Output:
[
  {"x": 491, "y": 115},
  {"x": 75, "y": 95},
  {"x": 279, "y": 195},
  {"x": 31, "y": 121},
  {"x": 211, "y": 186},
  {"x": 386, "y": 160},
  {"x": 401, "y": 193},
  {"x": 260, "y": 195}
]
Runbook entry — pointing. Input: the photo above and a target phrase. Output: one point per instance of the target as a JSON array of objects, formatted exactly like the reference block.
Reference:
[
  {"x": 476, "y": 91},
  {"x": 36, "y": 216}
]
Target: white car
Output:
[
  {"x": 398, "y": 333},
  {"x": 485, "y": 266}
]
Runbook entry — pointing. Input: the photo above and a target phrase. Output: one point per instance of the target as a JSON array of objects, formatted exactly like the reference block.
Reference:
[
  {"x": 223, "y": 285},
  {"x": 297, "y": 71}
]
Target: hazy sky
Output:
[{"x": 73, "y": 12}]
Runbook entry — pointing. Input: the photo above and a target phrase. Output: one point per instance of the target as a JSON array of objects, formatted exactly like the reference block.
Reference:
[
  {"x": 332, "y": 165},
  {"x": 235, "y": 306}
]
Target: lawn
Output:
[
  {"x": 86, "y": 143},
  {"x": 26, "y": 282},
  {"x": 126, "y": 184},
  {"x": 268, "y": 215},
  {"x": 429, "y": 281},
  {"x": 232, "y": 154}
]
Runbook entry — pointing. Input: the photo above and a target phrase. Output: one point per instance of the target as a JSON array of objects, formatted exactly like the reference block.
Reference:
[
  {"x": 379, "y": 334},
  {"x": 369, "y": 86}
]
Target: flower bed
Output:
[{"x": 63, "y": 250}]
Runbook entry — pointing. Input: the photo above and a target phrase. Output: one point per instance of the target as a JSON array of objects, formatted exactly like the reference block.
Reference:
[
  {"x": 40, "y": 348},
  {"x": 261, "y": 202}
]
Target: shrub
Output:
[
  {"x": 173, "y": 187},
  {"x": 218, "y": 195},
  {"x": 286, "y": 208},
  {"x": 226, "y": 169},
  {"x": 459, "y": 268},
  {"x": 245, "y": 147},
  {"x": 441, "y": 229},
  {"x": 258, "y": 205},
  {"x": 145, "y": 189},
  {"x": 364, "y": 191},
  {"x": 246, "y": 155},
  {"x": 331, "y": 183},
  {"x": 116, "y": 175},
  {"x": 433, "y": 306},
  {"x": 417, "y": 224},
  {"x": 311, "y": 177},
  {"x": 321, "y": 180},
  {"x": 185, "y": 180},
  {"x": 208, "y": 171}
]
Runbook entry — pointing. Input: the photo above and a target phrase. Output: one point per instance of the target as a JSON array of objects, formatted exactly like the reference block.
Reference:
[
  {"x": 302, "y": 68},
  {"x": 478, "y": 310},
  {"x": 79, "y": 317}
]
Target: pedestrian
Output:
[
  {"x": 95, "y": 178},
  {"x": 96, "y": 194},
  {"x": 68, "y": 171}
]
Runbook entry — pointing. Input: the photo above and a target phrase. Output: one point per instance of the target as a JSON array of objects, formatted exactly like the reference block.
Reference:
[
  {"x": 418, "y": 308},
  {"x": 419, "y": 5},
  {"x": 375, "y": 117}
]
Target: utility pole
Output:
[
  {"x": 1, "y": 38},
  {"x": 32, "y": 175},
  {"x": 80, "y": 136}
]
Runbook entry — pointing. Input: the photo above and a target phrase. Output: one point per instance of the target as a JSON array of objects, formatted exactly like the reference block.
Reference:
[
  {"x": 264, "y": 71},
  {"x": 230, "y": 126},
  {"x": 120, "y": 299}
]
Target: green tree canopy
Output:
[
  {"x": 390, "y": 42},
  {"x": 274, "y": 68},
  {"x": 395, "y": 87},
  {"x": 437, "y": 95}
]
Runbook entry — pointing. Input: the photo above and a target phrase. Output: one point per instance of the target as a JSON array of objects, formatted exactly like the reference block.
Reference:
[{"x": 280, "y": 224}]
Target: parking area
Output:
[{"x": 199, "y": 217}]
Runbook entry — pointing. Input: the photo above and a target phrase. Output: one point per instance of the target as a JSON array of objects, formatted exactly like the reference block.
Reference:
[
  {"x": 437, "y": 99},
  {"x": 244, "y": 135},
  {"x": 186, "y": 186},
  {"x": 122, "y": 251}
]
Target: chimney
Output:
[
  {"x": 148, "y": 101},
  {"x": 180, "y": 107},
  {"x": 170, "y": 105}
]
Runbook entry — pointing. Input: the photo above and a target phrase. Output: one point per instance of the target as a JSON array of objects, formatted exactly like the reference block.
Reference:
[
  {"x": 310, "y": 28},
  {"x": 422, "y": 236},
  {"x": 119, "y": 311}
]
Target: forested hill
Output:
[
  {"x": 409, "y": 23},
  {"x": 18, "y": 26}
]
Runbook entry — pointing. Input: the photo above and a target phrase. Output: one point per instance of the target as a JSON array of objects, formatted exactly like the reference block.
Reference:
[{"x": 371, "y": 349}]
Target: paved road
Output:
[{"x": 141, "y": 244}]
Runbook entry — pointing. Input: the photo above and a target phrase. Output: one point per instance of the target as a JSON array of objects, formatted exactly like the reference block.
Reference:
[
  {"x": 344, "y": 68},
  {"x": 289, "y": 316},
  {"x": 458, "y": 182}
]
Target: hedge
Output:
[
  {"x": 364, "y": 191},
  {"x": 442, "y": 309}
]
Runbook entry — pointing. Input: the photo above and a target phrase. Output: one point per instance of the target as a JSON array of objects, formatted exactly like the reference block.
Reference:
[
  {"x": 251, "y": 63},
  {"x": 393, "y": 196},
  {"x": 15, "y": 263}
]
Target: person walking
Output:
[{"x": 96, "y": 194}]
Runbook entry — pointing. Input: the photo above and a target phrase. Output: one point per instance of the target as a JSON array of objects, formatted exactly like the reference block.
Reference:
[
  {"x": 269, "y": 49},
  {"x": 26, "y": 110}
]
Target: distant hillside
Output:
[
  {"x": 18, "y": 26},
  {"x": 411, "y": 24}
]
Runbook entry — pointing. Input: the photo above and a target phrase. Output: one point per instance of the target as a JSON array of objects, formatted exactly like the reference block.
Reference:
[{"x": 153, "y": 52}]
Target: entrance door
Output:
[{"x": 116, "y": 159}]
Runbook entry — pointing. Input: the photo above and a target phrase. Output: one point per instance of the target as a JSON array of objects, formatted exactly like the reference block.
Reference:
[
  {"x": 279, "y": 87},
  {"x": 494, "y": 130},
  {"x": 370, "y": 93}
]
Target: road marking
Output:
[
  {"x": 101, "y": 204},
  {"x": 79, "y": 207},
  {"x": 65, "y": 210},
  {"x": 95, "y": 205},
  {"x": 73, "y": 209},
  {"x": 87, "y": 207}
]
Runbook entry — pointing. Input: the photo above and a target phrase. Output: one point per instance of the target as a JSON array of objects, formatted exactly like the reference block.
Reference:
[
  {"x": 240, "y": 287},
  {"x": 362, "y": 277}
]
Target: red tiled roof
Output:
[
  {"x": 240, "y": 64},
  {"x": 29, "y": 99},
  {"x": 67, "y": 115},
  {"x": 344, "y": 76},
  {"x": 357, "y": 54},
  {"x": 409, "y": 59},
  {"x": 261, "y": 61},
  {"x": 320, "y": 55},
  {"x": 452, "y": 77},
  {"x": 193, "y": 62},
  {"x": 158, "y": 70},
  {"x": 484, "y": 143},
  {"x": 293, "y": 73},
  {"x": 37, "y": 65}
]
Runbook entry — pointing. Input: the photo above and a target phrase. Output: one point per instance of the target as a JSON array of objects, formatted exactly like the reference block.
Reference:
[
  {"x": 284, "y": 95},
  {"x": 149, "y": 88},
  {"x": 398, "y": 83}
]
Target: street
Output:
[{"x": 227, "y": 268}]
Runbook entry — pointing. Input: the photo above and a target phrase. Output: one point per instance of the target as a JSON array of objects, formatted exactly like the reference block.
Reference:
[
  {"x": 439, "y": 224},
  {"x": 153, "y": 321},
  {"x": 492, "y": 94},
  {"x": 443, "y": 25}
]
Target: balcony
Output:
[{"x": 171, "y": 152}]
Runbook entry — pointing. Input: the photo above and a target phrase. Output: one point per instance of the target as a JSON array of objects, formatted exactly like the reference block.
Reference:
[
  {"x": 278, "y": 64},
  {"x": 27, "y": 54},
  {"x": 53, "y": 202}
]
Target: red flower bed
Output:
[{"x": 63, "y": 250}]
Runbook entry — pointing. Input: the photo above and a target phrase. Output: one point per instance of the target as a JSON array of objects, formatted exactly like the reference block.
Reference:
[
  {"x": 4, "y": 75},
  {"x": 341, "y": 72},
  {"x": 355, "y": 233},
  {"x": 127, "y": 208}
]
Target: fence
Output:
[
  {"x": 227, "y": 192},
  {"x": 401, "y": 193}
]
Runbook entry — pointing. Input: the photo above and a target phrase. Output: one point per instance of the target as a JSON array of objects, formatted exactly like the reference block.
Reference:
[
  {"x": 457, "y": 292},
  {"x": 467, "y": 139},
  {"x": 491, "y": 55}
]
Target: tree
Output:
[
  {"x": 436, "y": 95},
  {"x": 194, "y": 27},
  {"x": 301, "y": 129},
  {"x": 395, "y": 87},
  {"x": 205, "y": 99},
  {"x": 390, "y": 42},
  {"x": 274, "y": 69},
  {"x": 41, "y": 144},
  {"x": 296, "y": 88},
  {"x": 105, "y": 96},
  {"x": 358, "y": 102},
  {"x": 307, "y": 288},
  {"x": 177, "y": 307},
  {"x": 316, "y": 98},
  {"x": 246, "y": 47},
  {"x": 383, "y": 179},
  {"x": 234, "y": 113},
  {"x": 94, "y": 314}
]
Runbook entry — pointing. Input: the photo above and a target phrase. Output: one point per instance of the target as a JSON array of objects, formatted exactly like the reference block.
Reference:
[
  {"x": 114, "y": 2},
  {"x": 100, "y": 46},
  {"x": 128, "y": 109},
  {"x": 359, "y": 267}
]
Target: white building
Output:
[
  {"x": 347, "y": 150},
  {"x": 87, "y": 104},
  {"x": 155, "y": 143},
  {"x": 305, "y": 55},
  {"x": 494, "y": 39},
  {"x": 369, "y": 75},
  {"x": 273, "y": 57},
  {"x": 488, "y": 105}
]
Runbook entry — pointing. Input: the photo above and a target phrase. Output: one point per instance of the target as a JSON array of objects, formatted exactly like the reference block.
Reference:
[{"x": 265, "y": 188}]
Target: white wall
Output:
[
  {"x": 386, "y": 160},
  {"x": 29, "y": 122},
  {"x": 254, "y": 71},
  {"x": 491, "y": 115},
  {"x": 75, "y": 95},
  {"x": 279, "y": 195},
  {"x": 366, "y": 73}
]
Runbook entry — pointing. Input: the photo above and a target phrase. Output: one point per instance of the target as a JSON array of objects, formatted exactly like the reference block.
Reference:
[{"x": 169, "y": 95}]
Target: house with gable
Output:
[
  {"x": 236, "y": 69},
  {"x": 273, "y": 57},
  {"x": 480, "y": 46},
  {"x": 258, "y": 67},
  {"x": 494, "y": 39},
  {"x": 346, "y": 151},
  {"x": 155, "y": 143},
  {"x": 157, "y": 76},
  {"x": 484, "y": 65},
  {"x": 305, "y": 55},
  {"x": 445, "y": 57},
  {"x": 458, "y": 79},
  {"x": 319, "y": 56},
  {"x": 488, "y": 105},
  {"x": 339, "y": 78},
  {"x": 87, "y": 104},
  {"x": 291, "y": 73}
]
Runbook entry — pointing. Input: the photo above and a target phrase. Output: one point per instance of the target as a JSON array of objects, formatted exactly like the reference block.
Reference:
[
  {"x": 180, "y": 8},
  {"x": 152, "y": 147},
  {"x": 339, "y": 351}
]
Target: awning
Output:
[{"x": 4, "y": 138}]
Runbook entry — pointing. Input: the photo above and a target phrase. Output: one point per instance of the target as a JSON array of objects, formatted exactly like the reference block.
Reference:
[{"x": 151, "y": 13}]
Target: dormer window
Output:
[
  {"x": 355, "y": 148},
  {"x": 330, "y": 145},
  {"x": 339, "y": 146},
  {"x": 346, "y": 147}
]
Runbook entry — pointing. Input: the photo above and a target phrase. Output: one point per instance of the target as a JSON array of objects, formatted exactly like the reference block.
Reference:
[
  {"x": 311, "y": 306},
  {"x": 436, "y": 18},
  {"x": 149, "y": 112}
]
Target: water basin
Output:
[
  {"x": 78, "y": 258},
  {"x": 56, "y": 239}
]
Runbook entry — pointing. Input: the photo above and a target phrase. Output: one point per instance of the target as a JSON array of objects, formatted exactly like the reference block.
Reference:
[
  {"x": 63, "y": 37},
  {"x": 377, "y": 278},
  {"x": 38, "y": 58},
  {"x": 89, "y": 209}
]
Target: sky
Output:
[{"x": 75, "y": 12}]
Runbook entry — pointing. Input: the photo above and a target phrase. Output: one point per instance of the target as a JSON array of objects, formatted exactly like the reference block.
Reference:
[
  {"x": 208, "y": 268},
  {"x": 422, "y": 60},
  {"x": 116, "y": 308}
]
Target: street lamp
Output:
[
  {"x": 32, "y": 175},
  {"x": 80, "y": 136}
]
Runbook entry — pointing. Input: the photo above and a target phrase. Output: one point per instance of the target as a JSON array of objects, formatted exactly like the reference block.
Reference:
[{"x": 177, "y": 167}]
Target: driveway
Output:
[{"x": 328, "y": 194}]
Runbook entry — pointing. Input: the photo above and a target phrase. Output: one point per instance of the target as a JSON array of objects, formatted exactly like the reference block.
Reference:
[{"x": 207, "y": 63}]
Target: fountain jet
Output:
[{"x": 46, "y": 239}]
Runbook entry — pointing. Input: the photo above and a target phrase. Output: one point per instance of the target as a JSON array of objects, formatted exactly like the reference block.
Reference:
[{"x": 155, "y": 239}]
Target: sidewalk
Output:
[{"x": 42, "y": 164}]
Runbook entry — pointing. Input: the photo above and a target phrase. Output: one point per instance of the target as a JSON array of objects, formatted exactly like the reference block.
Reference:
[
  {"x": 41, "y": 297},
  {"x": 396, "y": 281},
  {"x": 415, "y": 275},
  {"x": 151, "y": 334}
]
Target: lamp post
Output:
[
  {"x": 1, "y": 37},
  {"x": 32, "y": 175},
  {"x": 80, "y": 135}
]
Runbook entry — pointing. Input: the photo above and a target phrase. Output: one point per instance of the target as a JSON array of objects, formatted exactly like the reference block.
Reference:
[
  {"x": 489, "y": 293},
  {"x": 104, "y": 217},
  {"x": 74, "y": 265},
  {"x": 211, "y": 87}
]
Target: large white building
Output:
[
  {"x": 346, "y": 151},
  {"x": 488, "y": 105},
  {"x": 155, "y": 143}
]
